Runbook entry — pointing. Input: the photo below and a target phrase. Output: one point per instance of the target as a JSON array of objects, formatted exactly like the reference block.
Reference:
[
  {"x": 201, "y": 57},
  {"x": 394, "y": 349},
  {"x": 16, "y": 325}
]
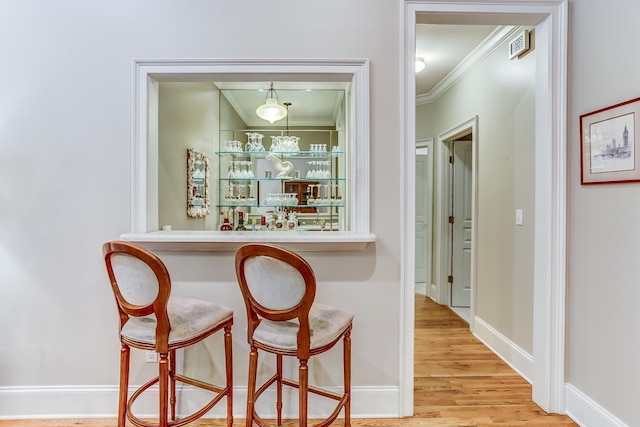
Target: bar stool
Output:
[
  {"x": 150, "y": 319},
  {"x": 278, "y": 287}
]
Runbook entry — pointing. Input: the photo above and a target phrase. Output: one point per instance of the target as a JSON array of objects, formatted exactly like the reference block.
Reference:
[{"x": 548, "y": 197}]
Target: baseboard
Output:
[
  {"x": 432, "y": 292},
  {"x": 514, "y": 356},
  {"x": 101, "y": 402},
  {"x": 586, "y": 412}
]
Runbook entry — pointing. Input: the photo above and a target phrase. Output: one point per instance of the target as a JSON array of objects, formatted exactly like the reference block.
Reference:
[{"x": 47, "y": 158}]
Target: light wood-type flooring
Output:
[{"x": 458, "y": 383}]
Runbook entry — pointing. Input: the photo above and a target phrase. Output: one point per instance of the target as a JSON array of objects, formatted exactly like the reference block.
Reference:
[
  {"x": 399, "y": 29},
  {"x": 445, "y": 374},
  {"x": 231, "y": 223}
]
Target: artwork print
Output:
[{"x": 608, "y": 144}]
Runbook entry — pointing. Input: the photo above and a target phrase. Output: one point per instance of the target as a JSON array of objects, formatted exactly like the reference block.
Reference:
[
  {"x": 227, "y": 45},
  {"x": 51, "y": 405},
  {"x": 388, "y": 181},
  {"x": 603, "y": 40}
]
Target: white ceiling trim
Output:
[{"x": 477, "y": 55}]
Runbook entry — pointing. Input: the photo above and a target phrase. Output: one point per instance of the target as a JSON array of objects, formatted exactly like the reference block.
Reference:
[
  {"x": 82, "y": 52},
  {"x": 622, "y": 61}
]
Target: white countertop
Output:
[{"x": 299, "y": 240}]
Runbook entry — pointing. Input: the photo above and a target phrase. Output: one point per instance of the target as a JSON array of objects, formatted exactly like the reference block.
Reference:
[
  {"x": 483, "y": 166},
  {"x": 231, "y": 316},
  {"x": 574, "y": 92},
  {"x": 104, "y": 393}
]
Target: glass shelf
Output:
[
  {"x": 240, "y": 205},
  {"x": 284, "y": 179},
  {"x": 300, "y": 154}
]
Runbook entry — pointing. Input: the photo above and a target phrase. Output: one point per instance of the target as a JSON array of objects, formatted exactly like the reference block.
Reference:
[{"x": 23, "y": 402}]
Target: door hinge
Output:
[
  {"x": 450, "y": 279},
  {"x": 451, "y": 159},
  {"x": 451, "y": 219}
]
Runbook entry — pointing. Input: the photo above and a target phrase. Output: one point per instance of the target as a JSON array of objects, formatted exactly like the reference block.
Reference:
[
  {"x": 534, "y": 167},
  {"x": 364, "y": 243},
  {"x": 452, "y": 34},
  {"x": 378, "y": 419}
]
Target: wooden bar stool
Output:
[
  {"x": 150, "y": 319},
  {"x": 278, "y": 287}
]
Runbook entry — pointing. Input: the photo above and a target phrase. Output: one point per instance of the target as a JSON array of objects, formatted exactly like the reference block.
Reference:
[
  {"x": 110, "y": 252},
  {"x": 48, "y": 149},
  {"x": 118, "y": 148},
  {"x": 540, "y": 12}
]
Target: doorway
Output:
[
  {"x": 460, "y": 223},
  {"x": 455, "y": 221},
  {"x": 550, "y": 20},
  {"x": 424, "y": 284}
]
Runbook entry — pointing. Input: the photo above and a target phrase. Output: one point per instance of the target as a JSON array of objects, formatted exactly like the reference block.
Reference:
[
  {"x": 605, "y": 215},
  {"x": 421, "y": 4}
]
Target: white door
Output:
[
  {"x": 461, "y": 244},
  {"x": 424, "y": 205}
]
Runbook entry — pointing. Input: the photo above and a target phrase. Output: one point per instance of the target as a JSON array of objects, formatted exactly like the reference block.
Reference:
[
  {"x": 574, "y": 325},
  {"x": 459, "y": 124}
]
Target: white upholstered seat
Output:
[
  {"x": 150, "y": 319},
  {"x": 326, "y": 324},
  {"x": 278, "y": 287}
]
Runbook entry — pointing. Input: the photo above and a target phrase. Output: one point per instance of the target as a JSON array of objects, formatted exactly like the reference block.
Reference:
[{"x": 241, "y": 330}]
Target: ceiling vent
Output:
[{"x": 519, "y": 44}]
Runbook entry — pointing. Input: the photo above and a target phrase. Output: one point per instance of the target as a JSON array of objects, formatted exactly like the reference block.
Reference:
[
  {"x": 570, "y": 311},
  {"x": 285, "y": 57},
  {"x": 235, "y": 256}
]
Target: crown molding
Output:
[{"x": 477, "y": 55}]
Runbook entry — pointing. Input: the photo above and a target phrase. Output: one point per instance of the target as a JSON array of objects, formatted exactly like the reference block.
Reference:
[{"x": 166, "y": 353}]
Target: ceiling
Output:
[
  {"x": 445, "y": 48},
  {"x": 312, "y": 103}
]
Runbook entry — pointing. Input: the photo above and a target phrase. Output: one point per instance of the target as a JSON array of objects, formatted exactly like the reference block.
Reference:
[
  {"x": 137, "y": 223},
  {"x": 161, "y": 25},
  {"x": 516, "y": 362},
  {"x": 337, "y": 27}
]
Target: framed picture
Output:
[
  {"x": 197, "y": 184},
  {"x": 608, "y": 144}
]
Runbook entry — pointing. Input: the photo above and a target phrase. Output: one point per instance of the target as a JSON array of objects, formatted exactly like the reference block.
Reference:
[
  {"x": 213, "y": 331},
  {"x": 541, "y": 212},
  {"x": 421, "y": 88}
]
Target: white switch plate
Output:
[{"x": 518, "y": 216}]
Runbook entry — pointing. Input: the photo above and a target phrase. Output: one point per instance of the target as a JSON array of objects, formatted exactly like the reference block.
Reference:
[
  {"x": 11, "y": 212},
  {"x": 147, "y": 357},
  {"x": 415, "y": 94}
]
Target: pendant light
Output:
[{"x": 271, "y": 111}]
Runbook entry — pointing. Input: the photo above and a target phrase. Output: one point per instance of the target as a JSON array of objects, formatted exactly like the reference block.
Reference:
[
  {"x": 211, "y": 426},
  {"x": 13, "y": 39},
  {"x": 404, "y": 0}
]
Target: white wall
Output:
[
  {"x": 65, "y": 163},
  {"x": 604, "y": 273}
]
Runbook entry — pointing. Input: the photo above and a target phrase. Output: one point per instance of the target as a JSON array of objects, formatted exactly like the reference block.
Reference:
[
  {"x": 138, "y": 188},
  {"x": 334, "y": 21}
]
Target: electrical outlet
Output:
[{"x": 150, "y": 356}]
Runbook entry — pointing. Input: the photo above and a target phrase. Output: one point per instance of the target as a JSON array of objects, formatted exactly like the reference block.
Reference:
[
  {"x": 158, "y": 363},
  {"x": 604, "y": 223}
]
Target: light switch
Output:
[{"x": 518, "y": 216}]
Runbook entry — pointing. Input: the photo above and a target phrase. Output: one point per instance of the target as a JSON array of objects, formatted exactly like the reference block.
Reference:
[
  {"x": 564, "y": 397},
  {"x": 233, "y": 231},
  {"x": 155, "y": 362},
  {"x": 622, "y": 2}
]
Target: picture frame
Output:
[
  {"x": 608, "y": 149},
  {"x": 197, "y": 184}
]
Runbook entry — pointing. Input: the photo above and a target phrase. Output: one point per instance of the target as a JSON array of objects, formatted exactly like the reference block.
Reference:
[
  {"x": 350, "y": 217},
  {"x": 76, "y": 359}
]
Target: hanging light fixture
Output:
[
  {"x": 420, "y": 65},
  {"x": 271, "y": 111}
]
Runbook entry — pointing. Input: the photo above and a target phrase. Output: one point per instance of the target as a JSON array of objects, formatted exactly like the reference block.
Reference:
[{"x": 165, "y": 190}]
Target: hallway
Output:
[{"x": 460, "y": 382}]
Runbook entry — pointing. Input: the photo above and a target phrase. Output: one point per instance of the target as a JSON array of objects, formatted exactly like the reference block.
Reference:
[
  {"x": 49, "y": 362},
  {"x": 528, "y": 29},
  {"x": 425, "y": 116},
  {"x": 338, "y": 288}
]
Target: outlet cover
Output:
[{"x": 150, "y": 356}]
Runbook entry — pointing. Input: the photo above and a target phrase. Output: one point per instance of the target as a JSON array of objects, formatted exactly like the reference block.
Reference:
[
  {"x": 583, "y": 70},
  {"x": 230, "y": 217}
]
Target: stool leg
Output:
[
  {"x": 172, "y": 379},
  {"x": 279, "y": 388},
  {"x": 347, "y": 377},
  {"x": 124, "y": 385},
  {"x": 251, "y": 386},
  {"x": 304, "y": 384},
  {"x": 163, "y": 373},
  {"x": 229, "y": 366}
]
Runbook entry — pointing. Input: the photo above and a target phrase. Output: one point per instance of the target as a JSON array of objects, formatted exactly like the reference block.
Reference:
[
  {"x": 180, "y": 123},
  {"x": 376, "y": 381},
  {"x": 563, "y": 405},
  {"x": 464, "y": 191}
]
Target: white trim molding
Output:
[
  {"x": 148, "y": 73},
  {"x": 586, "y": 412},
  {"x": 77, "y": 402},
  {"x": 507, "y": 350},
  {"x": 551, "y": 21},
  {"x": 476, "y": 56}
]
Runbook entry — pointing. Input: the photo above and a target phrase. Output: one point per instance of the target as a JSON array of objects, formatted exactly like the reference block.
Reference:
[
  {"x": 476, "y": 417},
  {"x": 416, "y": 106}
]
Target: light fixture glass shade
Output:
[
  {"x": 420, "y": 65},
  {"x": 271, "y": 111}
]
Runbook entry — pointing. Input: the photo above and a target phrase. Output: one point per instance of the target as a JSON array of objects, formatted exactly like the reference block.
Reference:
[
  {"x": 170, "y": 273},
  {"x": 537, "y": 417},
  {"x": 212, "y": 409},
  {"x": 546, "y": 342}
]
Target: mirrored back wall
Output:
[{"x": 201, "y": 116}]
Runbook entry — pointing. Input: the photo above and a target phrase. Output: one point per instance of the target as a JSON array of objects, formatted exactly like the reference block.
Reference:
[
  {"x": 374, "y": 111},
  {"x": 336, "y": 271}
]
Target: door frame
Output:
[
  {"x": 442, "y": 241},
  {"x": 431, "y": 286},
  {"x": 551, "y": 20}
]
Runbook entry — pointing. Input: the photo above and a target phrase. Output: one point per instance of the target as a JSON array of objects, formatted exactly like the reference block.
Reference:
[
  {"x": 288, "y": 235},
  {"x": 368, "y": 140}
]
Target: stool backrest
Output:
[
  {"x": 141, "y": 285},
  {"x": 277, "y": 285}
]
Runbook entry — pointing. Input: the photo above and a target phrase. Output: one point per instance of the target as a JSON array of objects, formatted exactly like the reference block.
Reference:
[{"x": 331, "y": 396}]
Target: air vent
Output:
[{"x": 519, "y": 44}]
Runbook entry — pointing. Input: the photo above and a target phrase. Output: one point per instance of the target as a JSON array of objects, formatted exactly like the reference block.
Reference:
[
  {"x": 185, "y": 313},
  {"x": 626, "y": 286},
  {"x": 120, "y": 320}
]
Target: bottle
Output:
[
  {"x": 241, "y": 226},
  {"x": 253, "y": 224},
  {"x": 292, "y": 221},
  {"x": 225, "y": 223},
  {"x": 263, "y": 223},
  {"x": 280, "y": 222}
]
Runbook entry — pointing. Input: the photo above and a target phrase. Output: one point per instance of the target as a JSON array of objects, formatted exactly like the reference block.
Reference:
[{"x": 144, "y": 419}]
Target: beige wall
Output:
[
  {"x": 187, "y": 118},
  {"x": 603, "y": 228},
  {"x": 65, "y": 162},
  {"x": 65, "y": 126}
]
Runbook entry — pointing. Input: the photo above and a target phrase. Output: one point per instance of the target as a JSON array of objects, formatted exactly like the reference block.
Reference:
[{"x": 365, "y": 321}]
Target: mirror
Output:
[{"x": 197, "y": 184}]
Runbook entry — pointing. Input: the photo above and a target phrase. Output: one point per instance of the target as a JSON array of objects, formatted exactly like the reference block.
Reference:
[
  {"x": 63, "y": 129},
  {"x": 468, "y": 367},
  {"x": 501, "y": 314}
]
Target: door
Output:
[
  {"x": 424, "y": 205},
  {"x": 461, "y": 227}
]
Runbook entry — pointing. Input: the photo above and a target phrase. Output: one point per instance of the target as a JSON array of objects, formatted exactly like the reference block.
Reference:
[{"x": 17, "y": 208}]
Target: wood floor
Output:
[{"x": 458, "y": 383}]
